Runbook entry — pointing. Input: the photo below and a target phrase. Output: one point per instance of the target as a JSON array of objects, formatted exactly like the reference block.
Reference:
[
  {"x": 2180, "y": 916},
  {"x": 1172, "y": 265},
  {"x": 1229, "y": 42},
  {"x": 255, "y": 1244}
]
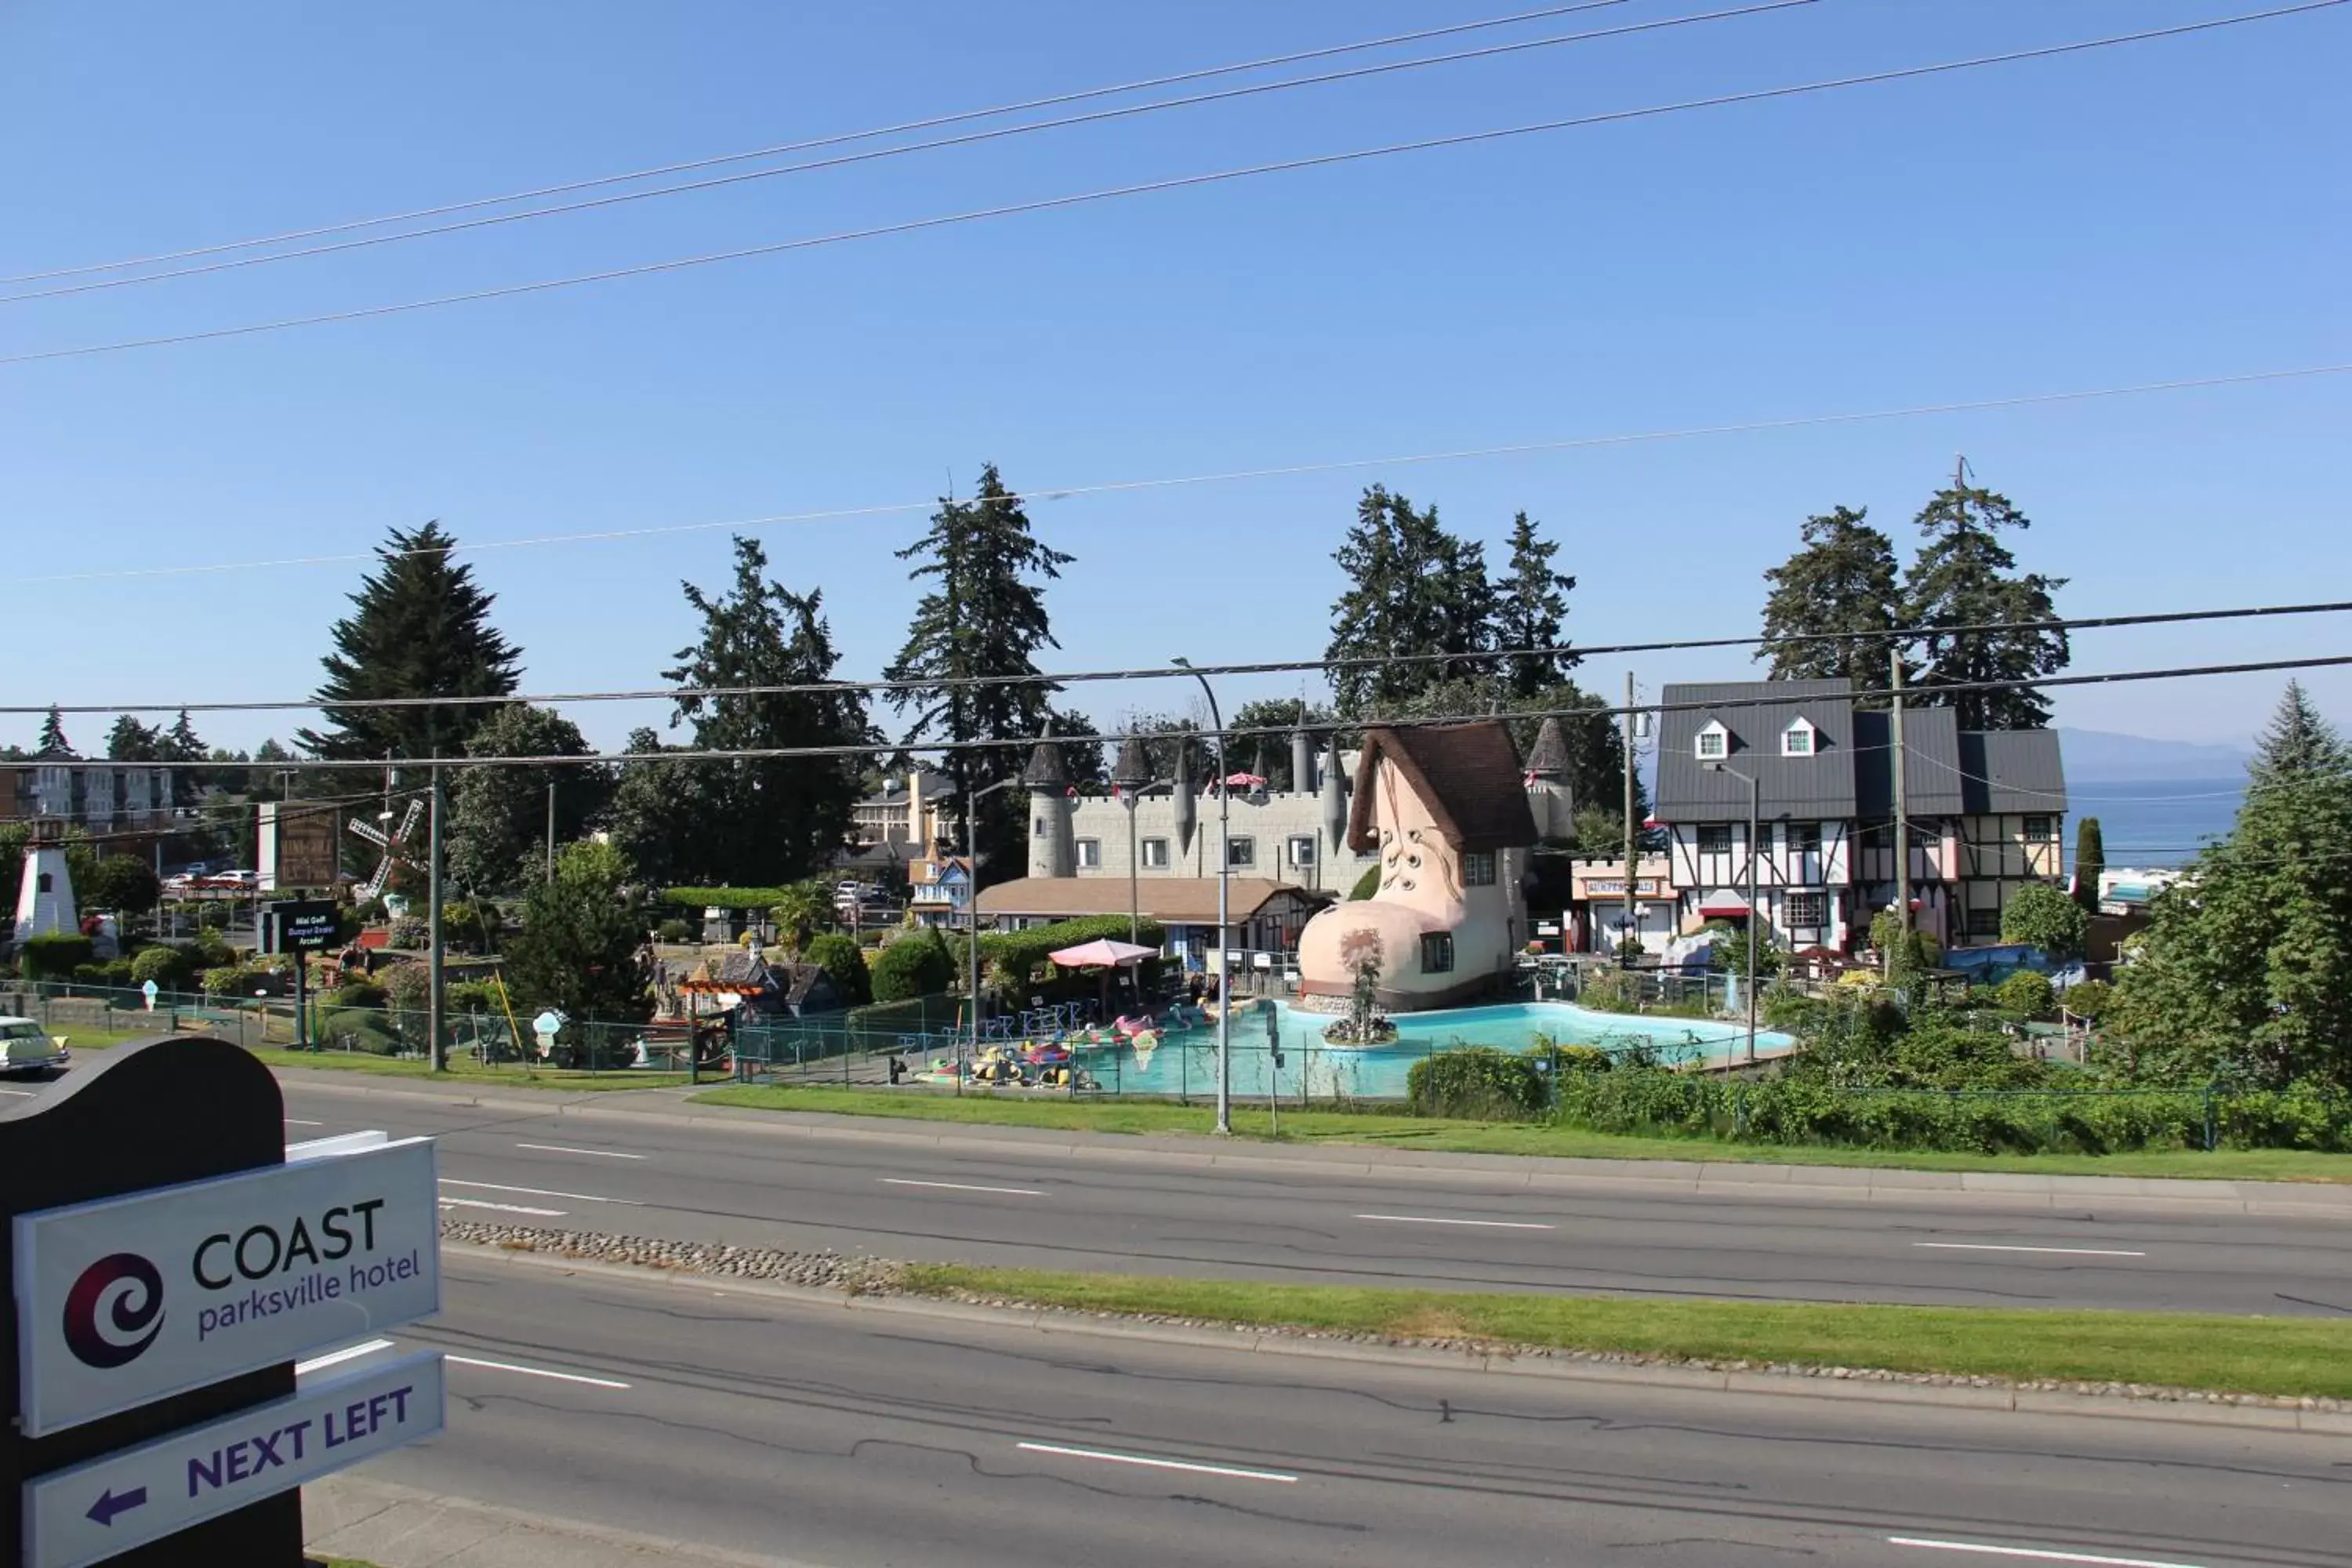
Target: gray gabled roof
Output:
[
  {"x": 1931, "y": 781},
  {"x": 1754, "y": 713},
  {"x": 2013, "y": 771}
]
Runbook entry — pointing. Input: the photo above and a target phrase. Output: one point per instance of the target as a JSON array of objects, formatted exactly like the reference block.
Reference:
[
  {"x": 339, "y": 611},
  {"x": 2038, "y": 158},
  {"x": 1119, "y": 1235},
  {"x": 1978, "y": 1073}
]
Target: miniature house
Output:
[{"x": 1447, "y": 808}]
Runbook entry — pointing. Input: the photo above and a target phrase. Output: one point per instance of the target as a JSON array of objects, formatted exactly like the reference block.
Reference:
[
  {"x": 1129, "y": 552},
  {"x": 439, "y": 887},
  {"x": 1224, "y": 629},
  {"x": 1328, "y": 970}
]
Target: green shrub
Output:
[
  {"x": 171, "y": 968},
  {"x": 2088, "y": 998},
  {"x": 212, "y": 951},
  {"x": 917, "y": 965},
  {"x": 2026, "y": 994},
  {"x": 470, "y": 997},
  {"x": 358, "y": 1030},
  {"x": 674, "y": 931},
  {"x": 356, "y": 990},
  {"x": 840, "y": 957},
  {"x": 220, "y": 980},
  {"x": 1365, "y": 885},
  {"x": 409, "y": 934},
  {"x": 54, "y": 955},
  {"x": 1610, "y": 990},
  {"x": 114, "y": 973},
  {"x": 1479, "y": 1083},
  {"x": 405, "y": 984}
]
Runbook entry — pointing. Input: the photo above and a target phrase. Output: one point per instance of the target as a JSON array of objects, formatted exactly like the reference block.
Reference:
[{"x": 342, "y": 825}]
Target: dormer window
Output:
[
  {"x": 1799, "y": 739},
  {"x": 1713, "y": 743}
]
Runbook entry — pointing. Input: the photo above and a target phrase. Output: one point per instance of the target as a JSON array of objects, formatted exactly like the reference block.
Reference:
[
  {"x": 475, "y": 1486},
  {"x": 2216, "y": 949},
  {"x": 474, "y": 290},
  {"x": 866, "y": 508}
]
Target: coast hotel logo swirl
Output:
[{"x": 114, "y": 1310}]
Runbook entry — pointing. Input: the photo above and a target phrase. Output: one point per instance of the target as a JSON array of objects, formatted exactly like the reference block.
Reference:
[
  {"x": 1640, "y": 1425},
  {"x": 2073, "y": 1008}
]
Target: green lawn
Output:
[
  {"x": 2294, "y": 1356},
  {"x": 509, "y": 1075},
  {"x": 1492, "y": 1137}
]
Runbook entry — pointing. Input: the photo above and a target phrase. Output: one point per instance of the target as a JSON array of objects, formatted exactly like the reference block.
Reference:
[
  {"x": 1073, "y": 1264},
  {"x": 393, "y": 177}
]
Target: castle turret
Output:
[
  {"x": 1187, "y": 805},
  {"x": 1053, "y": 848},
  {"x": 1334, "y": 800},
  {"x": 1551, "y": 798},
  {"x": 1302, "y": 761}
]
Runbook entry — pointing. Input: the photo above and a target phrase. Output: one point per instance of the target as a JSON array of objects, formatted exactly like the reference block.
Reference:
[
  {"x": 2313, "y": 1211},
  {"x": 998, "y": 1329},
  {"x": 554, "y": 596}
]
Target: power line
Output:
[
  {"x": 1161, "y": 672},
  {"x": 1067, "y": 492},
  {"x": 1229, "y": 735},
  {"x": 1183, "y": 182},
  {"x": 932, "y": 122},
  {"x": 965, "y": 139}
]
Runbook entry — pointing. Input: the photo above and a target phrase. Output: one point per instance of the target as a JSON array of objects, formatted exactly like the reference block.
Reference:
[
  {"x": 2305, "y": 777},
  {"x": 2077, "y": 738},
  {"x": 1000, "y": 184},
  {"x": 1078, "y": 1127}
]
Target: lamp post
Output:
[
  {"x": 971, "y": 905},
  {"x": 1224, "y": 879},
  {"x": 1754, "y": 914}
]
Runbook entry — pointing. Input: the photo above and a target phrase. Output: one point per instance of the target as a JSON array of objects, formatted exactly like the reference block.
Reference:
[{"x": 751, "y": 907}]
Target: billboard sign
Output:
[
  {"x": 301, "y": 845},
  {"x": 300, "y": 925},
  {"x": 134, "y": 1299},
  {"x": 97, "y": 1511}
]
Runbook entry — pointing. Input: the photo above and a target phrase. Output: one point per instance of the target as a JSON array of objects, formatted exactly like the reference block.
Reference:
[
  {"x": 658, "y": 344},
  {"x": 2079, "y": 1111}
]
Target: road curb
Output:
[
  {"x": 401, "y": 1526},
  {"x": 1725, "y": 1179},
  {"x": 1998, "y": 1397}
]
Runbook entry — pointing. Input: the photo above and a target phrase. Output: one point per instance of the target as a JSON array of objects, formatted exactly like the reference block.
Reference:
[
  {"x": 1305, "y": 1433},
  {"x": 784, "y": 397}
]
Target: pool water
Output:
[{"x": 1185, "y": 1063}]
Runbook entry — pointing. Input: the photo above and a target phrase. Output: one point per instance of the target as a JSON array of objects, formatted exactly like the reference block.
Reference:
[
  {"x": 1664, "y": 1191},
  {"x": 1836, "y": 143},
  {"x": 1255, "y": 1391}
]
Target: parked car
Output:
[{"x": 26, "y": 1047}]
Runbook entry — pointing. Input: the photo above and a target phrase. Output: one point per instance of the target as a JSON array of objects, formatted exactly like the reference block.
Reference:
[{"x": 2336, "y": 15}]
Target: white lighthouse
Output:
[{"x": 44, "y": 900}]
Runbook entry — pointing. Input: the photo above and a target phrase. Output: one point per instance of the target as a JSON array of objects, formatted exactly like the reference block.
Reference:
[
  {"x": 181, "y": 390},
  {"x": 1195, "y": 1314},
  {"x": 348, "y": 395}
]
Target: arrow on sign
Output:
[{"x": 108, "y": 1505}]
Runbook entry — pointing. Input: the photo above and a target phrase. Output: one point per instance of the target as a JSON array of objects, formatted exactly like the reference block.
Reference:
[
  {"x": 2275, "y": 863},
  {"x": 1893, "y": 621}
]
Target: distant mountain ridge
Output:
[{"x": 2100, "y": 756}]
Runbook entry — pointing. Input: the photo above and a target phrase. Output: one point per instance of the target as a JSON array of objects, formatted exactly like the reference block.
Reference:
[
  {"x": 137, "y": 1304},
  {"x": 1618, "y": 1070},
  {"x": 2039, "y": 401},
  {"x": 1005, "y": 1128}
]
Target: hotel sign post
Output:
[{"x": 166, "y": 1268}]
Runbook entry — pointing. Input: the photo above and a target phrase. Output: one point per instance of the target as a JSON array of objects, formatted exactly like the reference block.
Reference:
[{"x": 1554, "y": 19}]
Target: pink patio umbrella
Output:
[{"x": 1105, "y": 953}]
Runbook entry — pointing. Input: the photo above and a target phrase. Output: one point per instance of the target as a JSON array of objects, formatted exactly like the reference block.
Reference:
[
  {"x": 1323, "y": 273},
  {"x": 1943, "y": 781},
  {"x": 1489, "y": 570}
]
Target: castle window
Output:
[
  {"x": 1242, "y": 853},
  {"x": 1478, "y": 869},
  {"x": 1155, "y": 854},
  {"x": 1089, "y": 854}
]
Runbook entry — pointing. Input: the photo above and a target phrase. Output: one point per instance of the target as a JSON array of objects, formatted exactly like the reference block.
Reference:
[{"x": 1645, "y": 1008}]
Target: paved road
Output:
[
  {"x": 734, "y": 1179},
  {"x": 820, "y": 1436}
]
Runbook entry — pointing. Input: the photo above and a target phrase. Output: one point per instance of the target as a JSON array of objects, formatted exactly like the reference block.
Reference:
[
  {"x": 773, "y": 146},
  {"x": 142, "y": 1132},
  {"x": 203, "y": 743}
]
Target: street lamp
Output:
[
  {"x": 1225, "y": 915},
  {"x": 971, "y": 905},
  {"x": 1753, "y": 913}
]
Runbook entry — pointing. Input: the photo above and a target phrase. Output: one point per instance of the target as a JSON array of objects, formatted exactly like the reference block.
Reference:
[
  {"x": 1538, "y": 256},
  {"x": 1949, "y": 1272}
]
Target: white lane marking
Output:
[
  {"x": 1431, "y": 1219},
  {"x": 2068, "y": 1251},
  {"x": 297, "y": 1121},
  {"x": 500, "y": 1208},
  {"x": 561, "y": 1148},
  {"x": 1153, "y": 1464},
  {"x": 21, "y": 1093},
  {"x": 336, "y": 1358},
  {"x": 2035, "y": 1553},
  {"x": 960, "y": 1186},
  {"x": 536, "y": 1371},
  {"x": 539, "y": 1192}
]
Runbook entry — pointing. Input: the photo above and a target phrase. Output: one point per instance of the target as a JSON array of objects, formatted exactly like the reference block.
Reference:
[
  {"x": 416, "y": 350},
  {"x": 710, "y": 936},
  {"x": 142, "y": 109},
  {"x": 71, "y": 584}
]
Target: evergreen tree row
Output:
[{"x": 1836, "y": 605}]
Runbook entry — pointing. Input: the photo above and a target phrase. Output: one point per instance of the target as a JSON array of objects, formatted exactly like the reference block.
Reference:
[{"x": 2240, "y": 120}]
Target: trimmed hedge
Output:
[
  {"x": 841, "y": 957},
  {"x": 54, "y": 956},
  {"x": 171, "y": 968},
  {"x": 758, "y": 900},
  {"x": 917, "y": 965},
  {"x": 1014, "y": 958}
]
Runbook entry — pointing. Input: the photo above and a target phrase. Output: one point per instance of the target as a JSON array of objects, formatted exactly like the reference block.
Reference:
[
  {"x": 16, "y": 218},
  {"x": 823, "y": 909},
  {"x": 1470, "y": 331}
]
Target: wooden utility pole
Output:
[
  {"x": 1899, "y": 762},
  {"x": 439, "y": 1051},
  {"x": 1633, "y": 914}
]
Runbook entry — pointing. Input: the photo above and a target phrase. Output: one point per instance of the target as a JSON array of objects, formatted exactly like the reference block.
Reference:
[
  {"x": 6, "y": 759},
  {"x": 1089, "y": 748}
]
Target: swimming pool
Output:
[{"x": 1185, "y": 1064}]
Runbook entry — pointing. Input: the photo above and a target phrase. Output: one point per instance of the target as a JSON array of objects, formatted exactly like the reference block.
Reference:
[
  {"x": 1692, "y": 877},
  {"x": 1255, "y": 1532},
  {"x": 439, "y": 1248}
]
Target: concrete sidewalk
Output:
[
  {"x": 676, "y": 1108},
  {"x": 398, "y": 1526}
]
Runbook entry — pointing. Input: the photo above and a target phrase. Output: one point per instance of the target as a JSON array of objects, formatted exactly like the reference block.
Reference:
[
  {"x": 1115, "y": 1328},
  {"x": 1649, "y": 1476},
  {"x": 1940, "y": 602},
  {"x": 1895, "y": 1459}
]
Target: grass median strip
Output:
[
  {"x": 2278, "y": 1357},
  {"x": 1381, "y": 1129}
]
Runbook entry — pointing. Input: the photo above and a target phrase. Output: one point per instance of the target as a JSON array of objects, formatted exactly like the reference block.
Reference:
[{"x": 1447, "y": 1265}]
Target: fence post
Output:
[
  {"x": 2212, "y": 1131},
  {"x": 1740, "y": 1108}
]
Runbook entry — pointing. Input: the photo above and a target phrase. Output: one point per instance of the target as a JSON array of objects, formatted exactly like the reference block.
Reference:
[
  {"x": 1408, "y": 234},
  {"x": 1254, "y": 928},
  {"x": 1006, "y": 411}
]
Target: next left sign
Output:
[
  {"x": 105, "y": 1508},
  {"x": 132, "y": 1299}
]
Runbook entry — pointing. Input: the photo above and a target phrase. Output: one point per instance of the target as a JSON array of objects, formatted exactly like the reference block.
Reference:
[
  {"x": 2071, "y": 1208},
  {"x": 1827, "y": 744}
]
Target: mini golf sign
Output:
[
  {"x": 131, "y": 1300},
  {"x": 94, "y": 1512}
]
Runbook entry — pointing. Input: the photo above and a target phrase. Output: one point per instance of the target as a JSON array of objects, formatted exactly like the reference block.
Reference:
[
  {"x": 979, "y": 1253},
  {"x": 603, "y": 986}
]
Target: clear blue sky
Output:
[{"x": 2164, "y": 210}]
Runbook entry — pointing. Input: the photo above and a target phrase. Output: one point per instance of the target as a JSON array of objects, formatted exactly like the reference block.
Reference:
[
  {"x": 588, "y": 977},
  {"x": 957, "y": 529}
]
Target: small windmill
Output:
[{"x": 393, "y": 843}]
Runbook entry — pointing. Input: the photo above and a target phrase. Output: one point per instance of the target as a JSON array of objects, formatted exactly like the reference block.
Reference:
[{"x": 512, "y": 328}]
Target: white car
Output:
[{"x": 26, "y": 1047}]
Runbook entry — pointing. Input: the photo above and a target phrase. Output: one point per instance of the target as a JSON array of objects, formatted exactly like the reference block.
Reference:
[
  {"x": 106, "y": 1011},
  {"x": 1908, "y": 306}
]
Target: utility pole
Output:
[
  {"x": 1632, "y": 908},
  {"x": 550, "y": 828},
  {"x": 1900, "y": 762},
  {"x": 439, "y": 1051}
]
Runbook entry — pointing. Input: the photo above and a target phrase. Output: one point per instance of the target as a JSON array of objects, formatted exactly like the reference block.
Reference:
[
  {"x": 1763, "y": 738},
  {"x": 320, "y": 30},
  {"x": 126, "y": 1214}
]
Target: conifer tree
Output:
[
  {"x": 419, "y": 627},
  {"x": 131, "y": 741},
  {"x": 1964, "y": 576},
  {"x": 984, "y": 615},
  {"x": 1531, "y": 608},
  {"x": 1842, "y": 581},
  {"x": 2090, "y": 861},
  {"x": 769, "y": 820},
  {"x": 52, "y": 741}
]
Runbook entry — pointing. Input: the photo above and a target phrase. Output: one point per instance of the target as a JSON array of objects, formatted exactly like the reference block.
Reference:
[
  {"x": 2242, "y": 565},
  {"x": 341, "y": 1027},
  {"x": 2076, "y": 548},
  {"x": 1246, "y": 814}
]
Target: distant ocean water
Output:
[{"x": 2154, "y": 824}]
